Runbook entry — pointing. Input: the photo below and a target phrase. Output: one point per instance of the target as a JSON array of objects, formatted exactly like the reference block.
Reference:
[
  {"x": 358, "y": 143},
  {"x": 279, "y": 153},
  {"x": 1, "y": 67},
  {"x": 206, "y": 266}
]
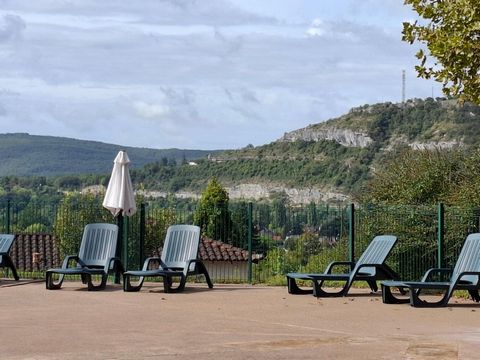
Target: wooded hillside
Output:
[{"x": 23, "y": 155}]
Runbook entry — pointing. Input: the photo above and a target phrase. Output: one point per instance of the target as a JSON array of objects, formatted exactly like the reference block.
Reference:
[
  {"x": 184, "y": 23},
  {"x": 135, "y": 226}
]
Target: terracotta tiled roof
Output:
[
  {"x": 32, "y": 252},
  {"x": 215, "y": 250}
]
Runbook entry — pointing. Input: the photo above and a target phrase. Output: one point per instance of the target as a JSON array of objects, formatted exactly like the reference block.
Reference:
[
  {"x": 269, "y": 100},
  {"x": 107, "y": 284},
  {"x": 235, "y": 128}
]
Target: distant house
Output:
[
  {"x": 225, "y": 261},
  {"x": 37, "y": 252},
  {"x": 271, "y": 234}
]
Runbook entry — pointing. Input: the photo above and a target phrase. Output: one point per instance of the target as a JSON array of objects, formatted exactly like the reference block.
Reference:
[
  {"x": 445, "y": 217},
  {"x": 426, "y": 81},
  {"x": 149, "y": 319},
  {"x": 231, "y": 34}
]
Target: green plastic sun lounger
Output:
[
  {"x": 178, "y": 260},
  {"x": 370, "y": 267},
  {"x": 95, "y": 257},
  {"x": 6, "y": 242},
  {"x": 464, "y": 276}
]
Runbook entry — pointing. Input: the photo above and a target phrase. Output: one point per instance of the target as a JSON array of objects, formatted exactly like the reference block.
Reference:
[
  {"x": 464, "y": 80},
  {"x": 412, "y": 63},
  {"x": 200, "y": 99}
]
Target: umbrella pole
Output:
[
  {"x": 118, "y": 251},
  {"x": 125, "y": 241}
]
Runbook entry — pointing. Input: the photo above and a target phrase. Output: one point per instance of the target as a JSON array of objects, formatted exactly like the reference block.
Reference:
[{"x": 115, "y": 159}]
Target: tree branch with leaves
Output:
[{"x": 451, "y": 33}]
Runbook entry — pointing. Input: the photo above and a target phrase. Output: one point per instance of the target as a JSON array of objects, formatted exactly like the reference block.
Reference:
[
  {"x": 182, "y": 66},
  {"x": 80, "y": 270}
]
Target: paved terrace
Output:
[{"x": 227, "y": 322}]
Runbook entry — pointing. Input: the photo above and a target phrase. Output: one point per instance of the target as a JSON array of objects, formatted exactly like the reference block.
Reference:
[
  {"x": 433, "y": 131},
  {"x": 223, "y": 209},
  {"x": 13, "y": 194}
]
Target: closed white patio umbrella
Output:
[{"x": 119, "y": 198}]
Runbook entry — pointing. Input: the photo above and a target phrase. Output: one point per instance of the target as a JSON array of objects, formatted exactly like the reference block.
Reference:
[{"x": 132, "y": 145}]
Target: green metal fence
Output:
[
  {"x": 415, "y": 227},
  {"x": 279, "y": 238},
  {"x": 300, "y": 238}
]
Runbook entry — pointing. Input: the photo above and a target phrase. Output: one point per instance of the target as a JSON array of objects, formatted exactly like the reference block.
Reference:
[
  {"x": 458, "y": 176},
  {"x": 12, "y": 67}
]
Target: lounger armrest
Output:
[
  {"x": 111, "y": 262},
  {"x": 368, "y": 265},
  {"x": 378, "y": 267},
  {"x": 149, "y": 260},
  {"x": 189, "y": 263},
  {"x": 338, "y": 263},
  {"x": 163, "y": 265},
  {"x": 463, "y": 273},
  {"x": 433, "y": 271},
  {"x": 69, "y": 258}
]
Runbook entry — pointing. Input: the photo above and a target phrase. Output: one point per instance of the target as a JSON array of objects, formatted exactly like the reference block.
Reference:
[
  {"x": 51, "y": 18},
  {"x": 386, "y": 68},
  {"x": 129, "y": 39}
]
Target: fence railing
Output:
[{"x": 256, "y": 242}]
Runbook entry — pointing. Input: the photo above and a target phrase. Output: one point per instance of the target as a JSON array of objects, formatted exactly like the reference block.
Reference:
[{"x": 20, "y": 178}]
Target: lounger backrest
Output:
[
  {"x": 181, "y": 245},
  {"x": 469, "y": 258},
  {"x": 376, "y": 253},
  {"x": 6, "y": 241},
  {"x": 99, "y": 243}
]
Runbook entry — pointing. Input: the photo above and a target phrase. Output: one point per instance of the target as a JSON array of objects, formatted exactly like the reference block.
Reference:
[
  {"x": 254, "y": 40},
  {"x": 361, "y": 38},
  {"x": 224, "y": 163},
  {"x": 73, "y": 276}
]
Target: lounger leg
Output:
[
  {"x": 168, "y": 282},
  {"x": 294, "y": 289},
  {"x": 203, "y": 270},
  {"x": 127, "y": 286},
  {"x": 9, "y": 264},
  {"x": 475, "y": 295},
  {"x": 92, "y": 286},
  {"x": 389, "y": 298},
  {"x": 52, "y": 285},
  {"x": 373, "y": 285},
  {"x": 319, "y": 292},
  {"x": 84, "y": 278},
  {"x": 417, "y": 302}
]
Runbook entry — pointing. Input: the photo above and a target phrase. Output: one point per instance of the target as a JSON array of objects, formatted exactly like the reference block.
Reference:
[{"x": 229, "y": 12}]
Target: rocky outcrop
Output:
[
  {"x": 432, "y": 145},
  {"x": 345, "y": 137},
  {"x": 163, "y": 194},
  {"x": 296, "y": 196},
  {"x": 257, "y": 192}
]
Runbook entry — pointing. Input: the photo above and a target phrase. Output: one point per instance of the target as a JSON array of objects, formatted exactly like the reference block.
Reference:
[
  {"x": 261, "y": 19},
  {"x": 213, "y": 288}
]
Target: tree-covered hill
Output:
[
  {"x": 335, "y": 157},
  {"x": 299, "y": 164},
  {"x": 23, "y": 155},
  {"x": 417, "y": 122}
]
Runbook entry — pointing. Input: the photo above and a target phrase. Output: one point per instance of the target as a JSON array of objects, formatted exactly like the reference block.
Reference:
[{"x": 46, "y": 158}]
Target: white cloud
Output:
[
  {"x": 198, "y": 74},
  {"x": 151, "y": 111},
  {"x": 316, "y": 28},
  {"x": 315, "y": 31}
]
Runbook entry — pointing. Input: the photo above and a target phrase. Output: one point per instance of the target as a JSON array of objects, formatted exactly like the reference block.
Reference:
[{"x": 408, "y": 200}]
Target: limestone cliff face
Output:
[
  {"x": 255, "y": 192},
  {"x": 296, "y": 196},
  {"x": 345, "y": 137},
  {"x": 350, "y": 138},
  {"x": 432, "y": 145}
]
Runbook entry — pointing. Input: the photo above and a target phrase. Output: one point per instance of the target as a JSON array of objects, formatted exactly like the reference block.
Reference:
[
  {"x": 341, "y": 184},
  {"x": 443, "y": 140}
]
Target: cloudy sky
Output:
[{"x": 197, "y": 74}]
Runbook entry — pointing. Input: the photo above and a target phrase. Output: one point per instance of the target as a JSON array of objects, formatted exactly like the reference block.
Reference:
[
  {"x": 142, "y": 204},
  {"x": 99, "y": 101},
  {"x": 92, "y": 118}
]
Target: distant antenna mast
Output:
[{"x": 403, "y": 86}]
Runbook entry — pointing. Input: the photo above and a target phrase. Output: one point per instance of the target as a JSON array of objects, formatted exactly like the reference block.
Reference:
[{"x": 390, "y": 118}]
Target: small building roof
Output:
[{"x": 215, "y": 250}]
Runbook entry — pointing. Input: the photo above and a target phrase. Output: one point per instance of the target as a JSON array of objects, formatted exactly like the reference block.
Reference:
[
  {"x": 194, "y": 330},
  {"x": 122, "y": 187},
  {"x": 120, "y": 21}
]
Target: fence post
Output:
[
  {"x": 351, "y": 232},
  {"x": 441, "y": 235},
  {"x": 8, "y": 217},
  {"x": 142, "y": 235},
  {"x": 250, "y": 222}
]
